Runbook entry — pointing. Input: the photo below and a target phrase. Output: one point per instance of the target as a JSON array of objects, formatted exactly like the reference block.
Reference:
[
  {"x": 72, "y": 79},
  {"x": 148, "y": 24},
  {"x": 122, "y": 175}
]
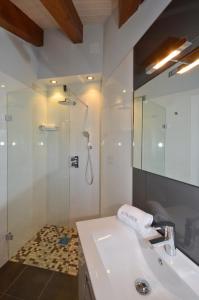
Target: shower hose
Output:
[{"x": 89, "y": 175}]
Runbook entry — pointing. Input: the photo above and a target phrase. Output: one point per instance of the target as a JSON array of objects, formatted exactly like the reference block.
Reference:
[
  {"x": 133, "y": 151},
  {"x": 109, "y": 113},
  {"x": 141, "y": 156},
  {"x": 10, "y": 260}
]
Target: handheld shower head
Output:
[{"x": 89, "y": 175}]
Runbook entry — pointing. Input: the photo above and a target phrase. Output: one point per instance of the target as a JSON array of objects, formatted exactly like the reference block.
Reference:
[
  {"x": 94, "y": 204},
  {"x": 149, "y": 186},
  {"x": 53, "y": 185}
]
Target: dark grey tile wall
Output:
[{"x": 170, "y": 200}]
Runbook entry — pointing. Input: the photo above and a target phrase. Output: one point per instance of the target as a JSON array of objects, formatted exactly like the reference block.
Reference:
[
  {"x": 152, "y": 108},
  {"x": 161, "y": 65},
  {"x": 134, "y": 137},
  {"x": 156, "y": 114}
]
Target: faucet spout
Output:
[{"x": 168, "y": 240}]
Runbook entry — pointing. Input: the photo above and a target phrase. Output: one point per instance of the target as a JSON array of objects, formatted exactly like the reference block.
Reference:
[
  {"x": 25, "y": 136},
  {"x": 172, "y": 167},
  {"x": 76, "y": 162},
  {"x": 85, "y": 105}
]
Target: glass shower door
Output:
[
  {"x": 38, "y": 169},
  {"x": 154, "y": 134},
  {"x": 26, "y": 166},
  {"x": 44, "y": 191}
]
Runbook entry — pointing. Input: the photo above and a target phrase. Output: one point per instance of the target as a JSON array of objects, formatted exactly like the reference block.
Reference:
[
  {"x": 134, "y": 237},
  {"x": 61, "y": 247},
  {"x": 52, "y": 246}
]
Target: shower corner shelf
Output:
[{"x": 48, "y": 127}]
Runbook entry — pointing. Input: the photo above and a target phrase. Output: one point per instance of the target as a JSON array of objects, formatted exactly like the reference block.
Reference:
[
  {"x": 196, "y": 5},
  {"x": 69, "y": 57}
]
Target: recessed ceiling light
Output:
[
  {"x": 124, "y": 91},
  {"x": 90, "y": 77},
  {"x": 53, "y": 81},
  {"x": 3, "y": 86}
]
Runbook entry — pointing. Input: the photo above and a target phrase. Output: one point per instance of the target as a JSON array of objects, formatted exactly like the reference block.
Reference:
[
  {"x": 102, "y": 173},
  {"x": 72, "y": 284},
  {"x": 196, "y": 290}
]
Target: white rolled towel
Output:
[{"x": 135, "y": 218}]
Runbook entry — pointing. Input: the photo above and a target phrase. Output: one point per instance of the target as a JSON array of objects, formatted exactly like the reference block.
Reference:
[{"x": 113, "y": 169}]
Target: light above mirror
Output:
[
  {"x": 189, "y": 67},
  {"x": 166, "y": 59},
  {"x": 167, "y": 54},
  {"x": 188, "y": 63}
]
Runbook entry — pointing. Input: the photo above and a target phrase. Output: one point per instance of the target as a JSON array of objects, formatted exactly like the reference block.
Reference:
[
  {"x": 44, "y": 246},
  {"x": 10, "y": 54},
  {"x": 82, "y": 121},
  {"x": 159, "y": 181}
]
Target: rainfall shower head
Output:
[{"x": 68, "y": 100}]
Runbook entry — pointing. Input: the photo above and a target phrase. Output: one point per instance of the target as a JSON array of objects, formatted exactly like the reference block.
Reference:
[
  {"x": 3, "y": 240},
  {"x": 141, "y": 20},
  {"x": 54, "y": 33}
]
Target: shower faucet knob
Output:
[
  {"x": 74, "y": 161},
  {"x": 90, "y": 146}
]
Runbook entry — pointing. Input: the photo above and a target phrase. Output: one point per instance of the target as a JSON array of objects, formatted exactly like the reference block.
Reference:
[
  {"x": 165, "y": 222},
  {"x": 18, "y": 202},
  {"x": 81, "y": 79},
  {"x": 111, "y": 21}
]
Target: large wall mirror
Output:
[
  {"x": 166, "y": 125},
  {"x": 166, "y": 122}
]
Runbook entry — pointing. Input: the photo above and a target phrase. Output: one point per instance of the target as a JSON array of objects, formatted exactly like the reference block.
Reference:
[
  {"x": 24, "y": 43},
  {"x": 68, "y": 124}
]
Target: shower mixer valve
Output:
[
  {"x": 75, "y": 161},
  {"x": 90, "y": 146}
]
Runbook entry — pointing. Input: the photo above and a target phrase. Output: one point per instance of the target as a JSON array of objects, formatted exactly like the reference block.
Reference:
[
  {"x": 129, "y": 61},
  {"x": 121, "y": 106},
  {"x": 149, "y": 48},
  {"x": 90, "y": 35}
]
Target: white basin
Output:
[{"x": 122, "y": 256}]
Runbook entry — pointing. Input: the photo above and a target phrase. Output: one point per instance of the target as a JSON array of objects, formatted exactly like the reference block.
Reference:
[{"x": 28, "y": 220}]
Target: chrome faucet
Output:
[{"x": 168, "y": 239}]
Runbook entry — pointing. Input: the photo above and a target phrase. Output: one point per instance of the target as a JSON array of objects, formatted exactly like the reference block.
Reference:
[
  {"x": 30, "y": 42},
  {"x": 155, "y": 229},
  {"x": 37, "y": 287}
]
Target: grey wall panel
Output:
[{"x": 172, "y": 200}]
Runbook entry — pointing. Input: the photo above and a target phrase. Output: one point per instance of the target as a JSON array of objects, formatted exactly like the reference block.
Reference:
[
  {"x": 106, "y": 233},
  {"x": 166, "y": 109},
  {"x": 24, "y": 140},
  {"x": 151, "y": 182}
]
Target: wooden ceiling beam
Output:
[
  {"x": 126, "y": 9},
  {"x": 65, "y": 14},
  {"x": 14, "y": 20}
]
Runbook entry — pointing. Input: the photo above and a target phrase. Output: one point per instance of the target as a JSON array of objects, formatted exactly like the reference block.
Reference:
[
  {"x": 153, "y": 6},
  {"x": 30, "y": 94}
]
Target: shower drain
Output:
[{"x": 142, "y": 287}]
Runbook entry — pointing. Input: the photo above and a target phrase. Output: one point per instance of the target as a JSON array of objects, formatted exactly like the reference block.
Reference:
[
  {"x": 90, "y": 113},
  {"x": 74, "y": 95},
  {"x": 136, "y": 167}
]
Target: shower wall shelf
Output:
[{"x": 48, "y": 127}]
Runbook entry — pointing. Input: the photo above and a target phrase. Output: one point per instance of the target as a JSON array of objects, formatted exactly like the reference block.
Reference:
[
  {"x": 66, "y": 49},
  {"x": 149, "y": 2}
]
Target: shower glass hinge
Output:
[{"x": 9, "y": 236}]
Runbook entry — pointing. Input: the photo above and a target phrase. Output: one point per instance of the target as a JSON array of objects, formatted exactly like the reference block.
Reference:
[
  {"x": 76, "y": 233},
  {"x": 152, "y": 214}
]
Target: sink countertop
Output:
[{"x": 114, "y": 282}]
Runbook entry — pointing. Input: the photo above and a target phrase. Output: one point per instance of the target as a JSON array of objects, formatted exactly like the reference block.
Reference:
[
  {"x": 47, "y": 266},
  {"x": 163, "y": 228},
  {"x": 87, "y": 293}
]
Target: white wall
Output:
[
  {"x": 70, "y": 198},
  {"x": 59, "y": 57},
  {"x": 3, "y": 180},
  {"x": 84, "y": 198},
  {"x": 18, "y": 59},
  {"x": 118, "y": 73},
  {"x": 153, "y": 155},
  {"x": 178, "y": 137},
  {"x": 116, "y": 163},
  {"x": 181, "y": 136},
  {"x": 194, "y": 139},
  {"x": 58, "y": 191}
]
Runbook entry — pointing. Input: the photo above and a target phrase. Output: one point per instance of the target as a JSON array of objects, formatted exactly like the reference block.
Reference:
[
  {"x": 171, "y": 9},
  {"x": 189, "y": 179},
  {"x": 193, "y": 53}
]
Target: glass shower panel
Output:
[
  {"x": 3, "y": 179},
  {"x": 44, "y": 191},
  {"x": 58, "y": 159},
  {"x": 79, "y": 147},
  {"x": 154, "y": 131},
  {"x": 137, "y": 140},
  {"x": 27, "y": 148}
]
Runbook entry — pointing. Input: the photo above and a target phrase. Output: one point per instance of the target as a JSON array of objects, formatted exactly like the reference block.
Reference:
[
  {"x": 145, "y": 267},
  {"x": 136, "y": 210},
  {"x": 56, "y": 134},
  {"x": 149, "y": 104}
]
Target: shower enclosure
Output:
[{"x": 39, "y": 155}]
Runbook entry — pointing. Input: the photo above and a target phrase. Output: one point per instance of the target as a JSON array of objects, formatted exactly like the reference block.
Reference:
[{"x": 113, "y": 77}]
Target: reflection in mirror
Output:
[
  {"x": 137, "y": 155},
  {"x": 166, "y": 126}
]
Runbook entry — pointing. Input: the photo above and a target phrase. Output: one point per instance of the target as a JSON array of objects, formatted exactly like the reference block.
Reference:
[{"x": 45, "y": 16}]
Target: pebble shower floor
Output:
[{"x": 44, "y": 251}]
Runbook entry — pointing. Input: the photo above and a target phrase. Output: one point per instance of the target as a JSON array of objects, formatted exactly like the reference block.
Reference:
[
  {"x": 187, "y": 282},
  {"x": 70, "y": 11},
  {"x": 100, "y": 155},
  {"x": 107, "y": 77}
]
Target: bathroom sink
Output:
[{"x": 125, "y": 258}]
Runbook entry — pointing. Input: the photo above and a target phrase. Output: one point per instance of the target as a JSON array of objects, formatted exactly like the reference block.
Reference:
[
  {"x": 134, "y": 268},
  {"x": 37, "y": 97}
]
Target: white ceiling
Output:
[
  {"x": 68, "y": 80},
  {"x": 90, "y": 11}
]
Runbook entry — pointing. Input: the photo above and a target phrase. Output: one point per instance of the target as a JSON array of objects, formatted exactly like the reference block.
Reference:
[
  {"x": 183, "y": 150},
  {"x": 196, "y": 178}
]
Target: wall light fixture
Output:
[{"x": 167, "y": 54}]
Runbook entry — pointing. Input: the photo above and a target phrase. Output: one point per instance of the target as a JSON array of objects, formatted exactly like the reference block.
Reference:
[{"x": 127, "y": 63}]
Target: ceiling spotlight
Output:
[
  {"x": 90, "y": 77},
  {"x": 53, "y": 81},
  {"x": 3, "y": 86},
  {"x": 124, "y": 91}
]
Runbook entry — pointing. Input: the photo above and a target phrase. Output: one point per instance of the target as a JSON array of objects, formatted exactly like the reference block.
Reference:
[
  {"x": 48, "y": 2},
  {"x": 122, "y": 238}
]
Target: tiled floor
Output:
[
  {"x": 44, "y": 250},
  {"x": 18, "y": 281}
]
